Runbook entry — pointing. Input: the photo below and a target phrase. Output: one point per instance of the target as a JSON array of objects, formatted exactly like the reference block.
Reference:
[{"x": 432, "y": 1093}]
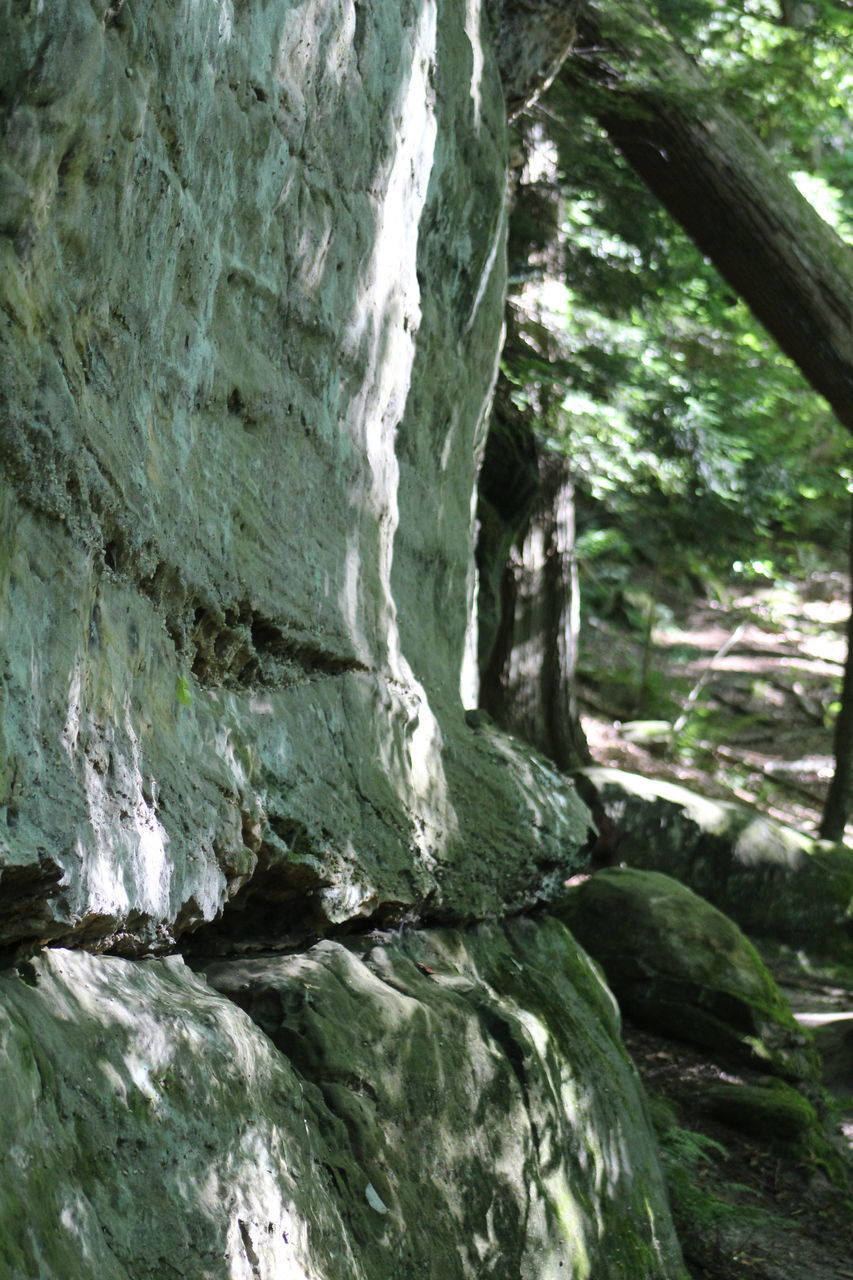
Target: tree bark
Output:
[
  {"x": 528, "y": 680},
  {"x": 719, "y": 182},
  {"x": 836, "y": 810},
  {"x": 532, "y": 38}
]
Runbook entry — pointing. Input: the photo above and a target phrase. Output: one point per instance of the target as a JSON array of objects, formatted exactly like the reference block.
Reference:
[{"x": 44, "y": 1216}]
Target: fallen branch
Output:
[{"x": 690, "y": 700}]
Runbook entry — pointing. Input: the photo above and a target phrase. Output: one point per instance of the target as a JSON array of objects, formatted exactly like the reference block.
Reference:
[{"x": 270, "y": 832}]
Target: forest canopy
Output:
[
  {"x": 678, "y": 370},
  {"x": 687, "y": 429}
]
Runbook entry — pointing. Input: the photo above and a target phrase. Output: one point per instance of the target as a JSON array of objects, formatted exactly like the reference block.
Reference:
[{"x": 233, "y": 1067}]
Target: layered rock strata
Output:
[{"x": 252, "y": 283}]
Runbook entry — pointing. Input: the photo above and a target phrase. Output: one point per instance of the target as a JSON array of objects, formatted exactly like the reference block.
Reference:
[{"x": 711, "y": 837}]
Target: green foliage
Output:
[
  {"x": 701, "y": 1200},
  {"x": 693, "y": 441},
  {"x": 183, "y": 692},
  {"x": 762, "y": 57}
]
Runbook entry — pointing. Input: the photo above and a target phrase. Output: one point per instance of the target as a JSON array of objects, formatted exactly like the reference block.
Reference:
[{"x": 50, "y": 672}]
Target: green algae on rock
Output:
[
  {"x": 371, "y": 1119},
  {"x": 679, "y": 966}
]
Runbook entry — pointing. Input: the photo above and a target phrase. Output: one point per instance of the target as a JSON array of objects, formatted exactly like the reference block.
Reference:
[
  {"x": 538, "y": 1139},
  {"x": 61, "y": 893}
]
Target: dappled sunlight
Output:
[
  {"x": 560, "y": 1141},
  {"x": 79, "y": 1221},
  {"x": 764, "y": 841},
  {"x": 537, "y": 779},
  {"x": 473, "y": 25},
  {"x": 128, "y": 1046},
  {"x": 541, "y": 164},
  {"x": 383, "y": 1110}
]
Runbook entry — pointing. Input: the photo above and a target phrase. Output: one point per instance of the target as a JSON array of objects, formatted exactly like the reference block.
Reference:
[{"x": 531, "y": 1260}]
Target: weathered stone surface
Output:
[
  {"x": 680, "y": 967},
  {"x": 252, "y": 284},
  {"x": 480, "y": 1120},
  {"x": 773, "y": 881},
  {"x": 780, "y": 1116}
]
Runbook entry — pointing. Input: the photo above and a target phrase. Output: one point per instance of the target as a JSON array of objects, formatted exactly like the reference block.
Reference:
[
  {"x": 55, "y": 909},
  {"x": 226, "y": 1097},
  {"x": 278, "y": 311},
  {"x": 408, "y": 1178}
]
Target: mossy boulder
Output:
[
  {"x": 678, "y": 966},
  {"x": 779, "y": 1116},
  {"x": 775, "y": 882},
  {"x": 771, "y": 1110},
  {"x": 438, "y": 1105}
]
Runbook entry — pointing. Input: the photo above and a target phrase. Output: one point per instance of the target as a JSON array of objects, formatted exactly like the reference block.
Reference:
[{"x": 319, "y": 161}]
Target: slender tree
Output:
[{"x": 838, "y": 801}]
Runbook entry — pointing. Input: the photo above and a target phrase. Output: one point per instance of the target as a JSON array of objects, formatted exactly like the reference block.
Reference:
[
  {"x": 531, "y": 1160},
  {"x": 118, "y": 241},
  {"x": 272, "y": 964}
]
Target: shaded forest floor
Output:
[
  {"x": 743, "y": 1208},
  {"x": 760, "y": 727},
  {"x": 769, "y": 661}
]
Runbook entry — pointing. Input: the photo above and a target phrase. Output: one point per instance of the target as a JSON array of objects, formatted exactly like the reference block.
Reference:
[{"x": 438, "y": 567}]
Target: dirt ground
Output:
[
  {"x": 754, "y": 1211},
  {"x": 758, "y": 729}
]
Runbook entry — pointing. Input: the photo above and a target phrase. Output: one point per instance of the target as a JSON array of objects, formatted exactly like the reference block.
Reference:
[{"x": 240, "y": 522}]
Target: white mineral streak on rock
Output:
[
  {"x": 385, "y": 322},
  {"x": 473, "y": 20},
  {"x": 226, "y": 21},
  {"x": 71, "y": 729},
  {"x": 469, "y": 674},
  {"x": 129, "y": 851}
]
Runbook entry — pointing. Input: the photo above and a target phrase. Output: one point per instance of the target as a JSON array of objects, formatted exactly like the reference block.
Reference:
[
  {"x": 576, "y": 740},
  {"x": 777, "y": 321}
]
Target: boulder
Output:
[
  {"x": 781, "y": 1119},
  {"x": 775, "y": 882},
  {"x": 681, "y": 968},
  {"x": 420, "y": 1106}
]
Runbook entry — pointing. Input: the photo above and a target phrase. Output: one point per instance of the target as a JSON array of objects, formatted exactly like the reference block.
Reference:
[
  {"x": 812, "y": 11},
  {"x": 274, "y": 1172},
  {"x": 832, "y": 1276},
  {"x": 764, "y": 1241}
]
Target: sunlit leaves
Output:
[{"x": 682, "y": 420}]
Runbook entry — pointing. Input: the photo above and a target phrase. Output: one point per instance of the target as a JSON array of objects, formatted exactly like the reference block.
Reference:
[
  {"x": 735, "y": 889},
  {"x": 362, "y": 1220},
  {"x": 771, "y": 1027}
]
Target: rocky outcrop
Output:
[
  {"x": 436, "y": 1105},
  {"x": 681, "y": 968},
  {"x": 252, "y": 294},
  {"x": 773, "y": 881}
]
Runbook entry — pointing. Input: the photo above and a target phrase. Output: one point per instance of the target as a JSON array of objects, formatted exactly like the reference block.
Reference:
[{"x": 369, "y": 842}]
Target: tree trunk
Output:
[
  {"x": 528, "y": 680},
  {"x": 837, "y": 807},
  {"x": 718, "y": 181}
]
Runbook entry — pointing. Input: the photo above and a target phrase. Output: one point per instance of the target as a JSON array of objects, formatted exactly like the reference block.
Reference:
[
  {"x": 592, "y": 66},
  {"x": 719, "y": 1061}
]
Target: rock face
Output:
[
  {"x": 681, "y": 968},
  {"x": 775, "y": 882},
  {"x": 380, "y": 1123},
  {"x": 252, "y": 290}
]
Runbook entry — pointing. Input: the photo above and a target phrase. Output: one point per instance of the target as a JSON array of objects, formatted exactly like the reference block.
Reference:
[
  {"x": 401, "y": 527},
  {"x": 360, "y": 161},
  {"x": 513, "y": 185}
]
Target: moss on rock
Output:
[
  {"x": 680, "y": 967},
  {"x": 423, "y": 1106},
  {"x": 775, "y": 882}
]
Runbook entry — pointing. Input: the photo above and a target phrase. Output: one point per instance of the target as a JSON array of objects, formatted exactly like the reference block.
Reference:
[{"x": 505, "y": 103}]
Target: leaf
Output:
[
  {"x": 373, "y": 1198},
  {"x": 183, "y": 692}
]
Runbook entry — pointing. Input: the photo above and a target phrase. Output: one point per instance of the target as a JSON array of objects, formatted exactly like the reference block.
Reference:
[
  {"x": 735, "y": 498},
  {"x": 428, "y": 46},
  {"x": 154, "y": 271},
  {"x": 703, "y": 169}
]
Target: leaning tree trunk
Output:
[
  {"x": 715, "y": 178},
  {"x": 837, "y": 807}
]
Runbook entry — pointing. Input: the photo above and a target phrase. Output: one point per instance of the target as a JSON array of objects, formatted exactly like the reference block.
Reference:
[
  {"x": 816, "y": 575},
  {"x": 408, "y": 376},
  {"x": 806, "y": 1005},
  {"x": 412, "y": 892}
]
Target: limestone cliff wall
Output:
[
  {"x": 252, "y": 288},
  {"x": 252, "y": 284},
  {"x": 367, "y": 1121}
]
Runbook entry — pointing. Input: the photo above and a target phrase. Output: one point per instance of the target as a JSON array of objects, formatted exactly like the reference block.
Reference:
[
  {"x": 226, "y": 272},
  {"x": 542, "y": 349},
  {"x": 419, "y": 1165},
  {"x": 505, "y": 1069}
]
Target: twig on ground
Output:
[{"x": 690, "y": 700}]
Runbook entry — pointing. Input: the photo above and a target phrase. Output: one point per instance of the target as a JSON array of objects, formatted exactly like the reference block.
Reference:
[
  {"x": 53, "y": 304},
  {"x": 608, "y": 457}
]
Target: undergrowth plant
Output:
[{"x": 702, "y": 1202}]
